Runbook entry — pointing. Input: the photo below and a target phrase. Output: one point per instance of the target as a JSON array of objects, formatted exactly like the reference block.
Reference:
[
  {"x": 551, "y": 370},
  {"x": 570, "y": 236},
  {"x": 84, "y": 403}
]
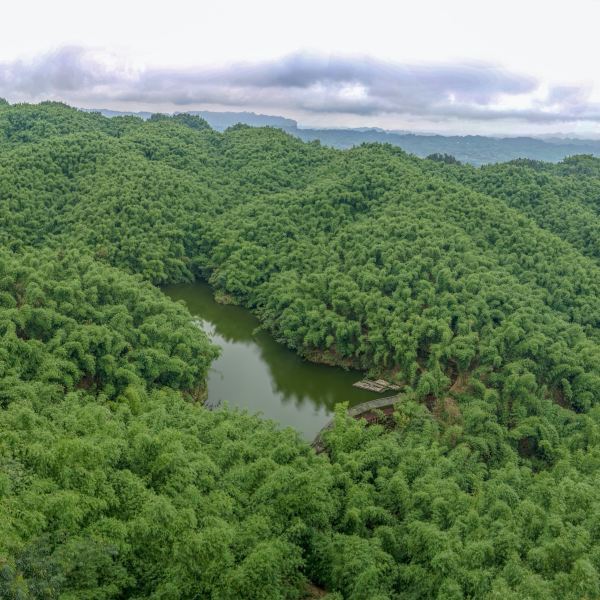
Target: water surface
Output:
[{"x": 257, "y": 373}]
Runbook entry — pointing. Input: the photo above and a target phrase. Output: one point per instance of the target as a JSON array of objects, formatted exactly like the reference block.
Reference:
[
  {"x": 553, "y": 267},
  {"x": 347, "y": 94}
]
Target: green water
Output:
[{"x": 257, "y": 373}]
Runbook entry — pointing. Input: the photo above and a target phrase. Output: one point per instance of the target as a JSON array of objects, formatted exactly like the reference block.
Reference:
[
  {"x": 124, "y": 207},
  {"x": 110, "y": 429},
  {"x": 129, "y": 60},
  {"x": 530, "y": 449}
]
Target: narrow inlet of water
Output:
[{"x": 257, "y": 373}]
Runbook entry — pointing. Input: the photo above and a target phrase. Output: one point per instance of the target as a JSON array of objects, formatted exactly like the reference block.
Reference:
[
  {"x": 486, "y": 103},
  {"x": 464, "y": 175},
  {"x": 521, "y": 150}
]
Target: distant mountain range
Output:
[{"x": 474, "y": 149}]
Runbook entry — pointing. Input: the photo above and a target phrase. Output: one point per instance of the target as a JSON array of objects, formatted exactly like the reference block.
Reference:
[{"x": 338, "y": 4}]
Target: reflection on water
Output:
[{"x": 256, "y": 373}]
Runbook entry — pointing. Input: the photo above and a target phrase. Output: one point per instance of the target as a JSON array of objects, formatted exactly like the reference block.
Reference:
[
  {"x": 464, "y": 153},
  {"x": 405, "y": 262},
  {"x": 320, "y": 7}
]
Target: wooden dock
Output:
[
  {"x": 377, "y": 385},
  {"x": 366, "y": 410}
]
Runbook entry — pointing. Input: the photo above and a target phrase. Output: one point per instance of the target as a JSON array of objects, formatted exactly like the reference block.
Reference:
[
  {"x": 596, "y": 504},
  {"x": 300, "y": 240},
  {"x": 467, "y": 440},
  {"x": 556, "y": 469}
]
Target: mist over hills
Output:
[{"x": 473, "y": 149}]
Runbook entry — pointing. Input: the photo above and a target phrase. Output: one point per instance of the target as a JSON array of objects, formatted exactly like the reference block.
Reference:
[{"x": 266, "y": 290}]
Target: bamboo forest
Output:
[{"x": 473, "y": 289}]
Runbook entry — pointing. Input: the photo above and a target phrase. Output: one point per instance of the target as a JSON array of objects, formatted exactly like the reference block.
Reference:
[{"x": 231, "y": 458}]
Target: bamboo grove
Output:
[{"x": 475, "y": 289}]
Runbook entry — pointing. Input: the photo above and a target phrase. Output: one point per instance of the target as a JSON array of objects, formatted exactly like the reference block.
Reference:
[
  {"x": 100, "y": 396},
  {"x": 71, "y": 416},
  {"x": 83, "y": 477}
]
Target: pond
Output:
[{"x": 257, "y": 373}]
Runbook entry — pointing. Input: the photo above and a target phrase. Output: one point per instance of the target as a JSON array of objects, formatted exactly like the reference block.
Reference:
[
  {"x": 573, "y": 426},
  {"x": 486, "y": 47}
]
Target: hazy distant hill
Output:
[
  {"x": 474, "y": 149},
  {"x": 118, "y": 113},
  {"x": 222, "y": 120}
]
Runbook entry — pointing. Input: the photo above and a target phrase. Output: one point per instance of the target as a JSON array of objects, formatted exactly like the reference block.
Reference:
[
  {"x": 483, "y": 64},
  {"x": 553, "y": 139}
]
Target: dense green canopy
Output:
[{"x": 476, "y": 289}]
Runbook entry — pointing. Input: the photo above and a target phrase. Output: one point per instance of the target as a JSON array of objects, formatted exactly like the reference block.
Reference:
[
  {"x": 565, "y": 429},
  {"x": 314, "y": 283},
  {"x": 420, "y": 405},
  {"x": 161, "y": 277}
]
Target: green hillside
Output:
[
  {"x": 475, "y": 289},
  {"x": 472, "y": 149}
]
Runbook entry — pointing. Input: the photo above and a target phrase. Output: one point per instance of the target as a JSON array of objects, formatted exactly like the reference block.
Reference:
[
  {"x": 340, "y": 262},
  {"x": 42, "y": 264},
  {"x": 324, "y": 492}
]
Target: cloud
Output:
[
  {"x": 302, "y": 82},
  {"x": 69, "y": 69}
]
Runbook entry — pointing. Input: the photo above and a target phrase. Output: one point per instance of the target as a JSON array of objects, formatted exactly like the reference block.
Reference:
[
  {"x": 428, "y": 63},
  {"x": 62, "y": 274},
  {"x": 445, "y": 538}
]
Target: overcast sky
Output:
[{"x": 460, "y": 66}]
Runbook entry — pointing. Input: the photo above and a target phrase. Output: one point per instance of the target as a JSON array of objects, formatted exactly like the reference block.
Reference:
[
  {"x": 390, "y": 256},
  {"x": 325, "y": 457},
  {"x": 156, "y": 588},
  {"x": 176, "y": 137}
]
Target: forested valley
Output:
[{"x": 476, "y": 289}]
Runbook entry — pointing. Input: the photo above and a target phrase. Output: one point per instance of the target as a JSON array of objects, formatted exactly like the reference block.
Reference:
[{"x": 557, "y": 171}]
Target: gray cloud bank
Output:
[{"x": 302, "y": 82}]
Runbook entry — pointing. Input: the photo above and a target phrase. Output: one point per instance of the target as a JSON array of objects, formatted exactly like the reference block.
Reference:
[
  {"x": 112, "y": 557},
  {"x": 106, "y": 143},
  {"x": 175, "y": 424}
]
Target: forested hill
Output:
[
  {"x": 216, "y": 119},
  {"x": 473, "y": 149},
  {"x": 476, "y": 289}
]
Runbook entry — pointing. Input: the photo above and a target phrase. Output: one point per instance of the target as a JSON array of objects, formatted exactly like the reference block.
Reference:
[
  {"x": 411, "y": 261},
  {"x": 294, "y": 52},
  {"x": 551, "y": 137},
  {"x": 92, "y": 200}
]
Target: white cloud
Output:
[
  {"x": 180, "y": 53},
  {"x": 310, "y": 83}
]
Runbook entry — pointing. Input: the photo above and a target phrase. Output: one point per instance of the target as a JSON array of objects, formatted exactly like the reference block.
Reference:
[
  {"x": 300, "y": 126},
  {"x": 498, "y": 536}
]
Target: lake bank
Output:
[{"x": 256, "y": 373}]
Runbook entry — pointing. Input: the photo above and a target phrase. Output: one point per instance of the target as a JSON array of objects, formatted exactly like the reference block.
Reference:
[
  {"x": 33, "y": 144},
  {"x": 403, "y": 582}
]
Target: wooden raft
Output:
[{"x": 377, "y": 385}]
